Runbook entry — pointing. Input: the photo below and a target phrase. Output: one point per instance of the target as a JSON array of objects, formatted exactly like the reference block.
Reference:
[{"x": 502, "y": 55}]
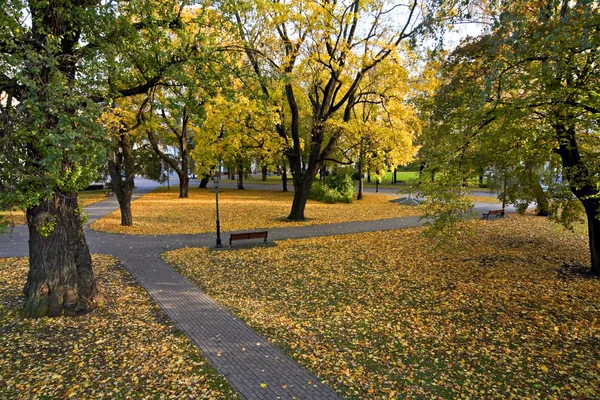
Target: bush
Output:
[{"x": 337, "y": 188}]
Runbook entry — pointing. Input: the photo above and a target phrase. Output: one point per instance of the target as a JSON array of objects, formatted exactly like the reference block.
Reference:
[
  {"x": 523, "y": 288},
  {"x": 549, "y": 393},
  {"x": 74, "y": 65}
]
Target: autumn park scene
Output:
[{"x": 311, "y": 199}]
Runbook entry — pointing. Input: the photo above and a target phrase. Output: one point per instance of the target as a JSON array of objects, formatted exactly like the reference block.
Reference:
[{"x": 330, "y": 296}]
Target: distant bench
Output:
[
  {"x": 497, "y": 213},
  {"x": 108, "y": 193},
  {"x": 248, "y": 236}
]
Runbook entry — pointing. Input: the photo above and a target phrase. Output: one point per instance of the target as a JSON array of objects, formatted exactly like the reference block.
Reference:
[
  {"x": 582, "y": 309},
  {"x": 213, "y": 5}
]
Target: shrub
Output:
[{"x": 337, "y": 188}]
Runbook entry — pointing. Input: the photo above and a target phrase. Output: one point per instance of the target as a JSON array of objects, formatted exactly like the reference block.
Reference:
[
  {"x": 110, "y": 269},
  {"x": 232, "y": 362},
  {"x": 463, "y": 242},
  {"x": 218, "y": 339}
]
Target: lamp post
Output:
[{"x": 216, "y": 181}]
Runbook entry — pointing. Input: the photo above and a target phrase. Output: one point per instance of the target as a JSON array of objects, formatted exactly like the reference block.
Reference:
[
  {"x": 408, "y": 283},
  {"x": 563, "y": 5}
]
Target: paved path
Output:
[{"x": 219, "y": 334}]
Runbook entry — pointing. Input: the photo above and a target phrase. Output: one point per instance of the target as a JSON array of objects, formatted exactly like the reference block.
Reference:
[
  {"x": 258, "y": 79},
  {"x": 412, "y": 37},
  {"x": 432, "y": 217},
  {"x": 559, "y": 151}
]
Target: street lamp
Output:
[{"x": 216, "y": 181}]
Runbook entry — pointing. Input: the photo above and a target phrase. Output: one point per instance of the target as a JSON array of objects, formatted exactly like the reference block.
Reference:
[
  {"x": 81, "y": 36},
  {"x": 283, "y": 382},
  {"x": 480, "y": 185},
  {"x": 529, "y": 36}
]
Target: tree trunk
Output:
[
  {"x": 60, "y": 279},
  {"x": 240, "y": 182},
  {"x": 123, "y": 188},
  {"x": 369, "y": 176},
  {"x": 299, "y": 202},
  {"x": 421, "y": 168},
  {"x": 184, "y": 183},
  {"x": 360, "y": 181},
  {"x": 264, "y": 173},
  {"x": 582, "y": 185},
  {"x": 284, "y": 180},
  {"x": 541, "y": 198},
  {"x": 592, "y": 211}
]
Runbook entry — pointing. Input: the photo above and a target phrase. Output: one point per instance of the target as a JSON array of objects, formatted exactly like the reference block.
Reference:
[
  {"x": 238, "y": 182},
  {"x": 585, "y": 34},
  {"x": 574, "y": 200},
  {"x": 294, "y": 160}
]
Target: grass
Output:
[
  {"x": 162, "y": 212},
  {"x": 127, "y": 349},
  {"x": 511, "y": 313},
  {"x": 87, "y": 197}
]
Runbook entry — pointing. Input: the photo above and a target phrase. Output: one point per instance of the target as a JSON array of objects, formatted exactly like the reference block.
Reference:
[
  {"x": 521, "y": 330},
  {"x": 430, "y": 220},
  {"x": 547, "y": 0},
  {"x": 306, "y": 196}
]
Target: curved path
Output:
[{"x": 260, "y": 371}]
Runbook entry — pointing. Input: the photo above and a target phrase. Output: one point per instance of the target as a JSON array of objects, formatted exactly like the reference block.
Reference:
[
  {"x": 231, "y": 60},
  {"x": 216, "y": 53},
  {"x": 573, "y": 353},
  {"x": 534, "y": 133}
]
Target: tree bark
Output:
[
  {"x": 123, "y": 162},
  {"x": 284, "y": 180},
  {"x": 581, "y": 183},
  {"x": 240, "y": 182},
  {"x": 360, "y": 180},
  {"x": 300, "y": 199},
  {"x": 264, "y": 173},
  {"x": 541, "y": 198},
  {"x": 592, "y": 209},
  {"x": 60, "y": 279}
]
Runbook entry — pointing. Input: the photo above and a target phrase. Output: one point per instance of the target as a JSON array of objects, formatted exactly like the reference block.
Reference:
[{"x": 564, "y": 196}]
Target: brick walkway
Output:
[{"x": 254, "y": 367}]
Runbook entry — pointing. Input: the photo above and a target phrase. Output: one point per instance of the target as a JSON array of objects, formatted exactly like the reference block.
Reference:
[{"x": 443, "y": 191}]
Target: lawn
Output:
[
  {"x": 162, "y": 212},
  {"x": 127, "y": 349},
  {"x": 17, "y": 217},
  {"x": 509, "y": 314}
]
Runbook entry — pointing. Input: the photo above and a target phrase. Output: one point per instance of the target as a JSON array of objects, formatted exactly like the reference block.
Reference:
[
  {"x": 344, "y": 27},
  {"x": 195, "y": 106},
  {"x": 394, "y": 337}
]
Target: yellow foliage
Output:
[
  {"x": 162, "y": 212},
  {"x": 127, "y": 349},
  {"x": 382, "y": 314}
]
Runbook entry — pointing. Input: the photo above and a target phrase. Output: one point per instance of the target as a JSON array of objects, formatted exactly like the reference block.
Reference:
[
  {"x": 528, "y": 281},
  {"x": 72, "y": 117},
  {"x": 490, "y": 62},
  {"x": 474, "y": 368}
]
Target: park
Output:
[{"x": 299, "y": 200}]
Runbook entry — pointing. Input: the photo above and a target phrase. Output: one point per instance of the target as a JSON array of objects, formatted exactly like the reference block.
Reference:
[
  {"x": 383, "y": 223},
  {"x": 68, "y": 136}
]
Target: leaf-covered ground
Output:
[
  {"x": 162, "y": 212},
  {"x": 383, "y": 315},
  {"x": 17, "y": 217},
  {"x": 127, "y": 349},
  {"x": 493, "y": 199}
]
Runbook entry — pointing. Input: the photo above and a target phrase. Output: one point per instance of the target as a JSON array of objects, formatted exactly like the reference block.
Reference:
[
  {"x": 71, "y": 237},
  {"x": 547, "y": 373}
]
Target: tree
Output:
[
  {"x": 53, "y": 81},
  {"x": 237, "y": 131},
  {"x": 383, "y": 125},
  {"x": 321, "y": 52},
  {"x": 536, "y": 73},
  {"x": 52, "y": 147}
]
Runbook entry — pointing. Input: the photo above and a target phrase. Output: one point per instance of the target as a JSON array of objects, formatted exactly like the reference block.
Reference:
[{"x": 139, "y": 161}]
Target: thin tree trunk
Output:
[
  {"x": 360, "y": 181},
  {"x": 240, "y": 182},
  {"x": 264, "y": 173},
  {"x": 284, "y": 180},
  {"x": 541, "y": 198},
  {"x": 123, "y": 161},
  {"x": 60, "y": 279}
]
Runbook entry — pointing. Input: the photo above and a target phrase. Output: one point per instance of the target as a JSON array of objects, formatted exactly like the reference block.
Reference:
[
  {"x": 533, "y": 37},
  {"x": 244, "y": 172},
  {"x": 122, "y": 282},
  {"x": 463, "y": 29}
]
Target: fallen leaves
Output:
[
  {"x": 127, "y": 349},
  {"x": 163, "y": 213},
  {"x": 383, "y": 315}
]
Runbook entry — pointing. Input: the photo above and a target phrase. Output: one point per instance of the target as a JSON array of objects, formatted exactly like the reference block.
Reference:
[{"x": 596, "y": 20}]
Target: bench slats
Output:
[{"x": 248, "y": 235}]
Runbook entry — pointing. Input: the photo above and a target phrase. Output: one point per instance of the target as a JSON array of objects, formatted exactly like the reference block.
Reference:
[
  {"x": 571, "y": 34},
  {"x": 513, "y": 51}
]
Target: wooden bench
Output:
[
  {"x": 248, "y": 235},
  {"x": 497, "y": 213},
  {"x": 108, "y": 193}
]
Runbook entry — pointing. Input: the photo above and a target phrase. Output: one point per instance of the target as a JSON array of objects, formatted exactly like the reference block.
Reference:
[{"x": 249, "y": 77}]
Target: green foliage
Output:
[
  {"x": 47, "y": 227},
  {"x": 445, "y": 207},
  {"x": 337, "y": 187}
]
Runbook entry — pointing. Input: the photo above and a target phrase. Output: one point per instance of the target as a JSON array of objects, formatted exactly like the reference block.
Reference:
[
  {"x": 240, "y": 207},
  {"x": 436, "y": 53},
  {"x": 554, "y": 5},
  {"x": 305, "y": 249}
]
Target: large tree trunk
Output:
[
  {"x": 592, "y": 211},
  {"x": 299, "y": 202},
  {"x": 184, "y": 183},
  {"x": 582, "y": 185},
  {"x": 60, "y": 279},
  {"x": 302, "y": 186}
]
